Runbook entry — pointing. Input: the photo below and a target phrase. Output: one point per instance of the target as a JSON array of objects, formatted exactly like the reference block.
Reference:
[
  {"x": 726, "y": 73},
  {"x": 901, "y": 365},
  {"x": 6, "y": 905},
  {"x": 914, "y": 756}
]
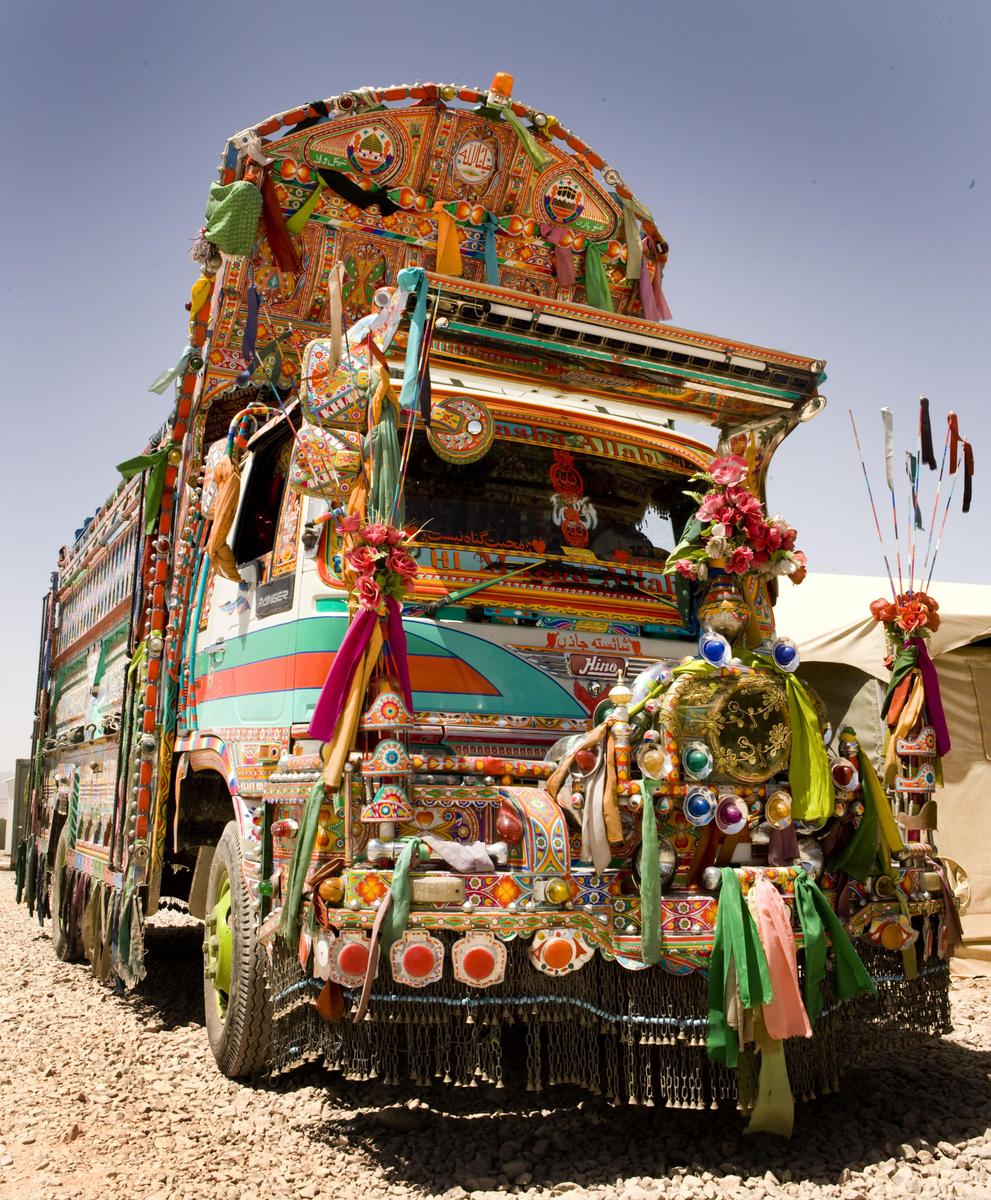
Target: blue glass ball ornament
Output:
[
  {"x": 785, "y": 654},
  {"x": 699, "y": 806},
  {"x": 715, "y": 649}
]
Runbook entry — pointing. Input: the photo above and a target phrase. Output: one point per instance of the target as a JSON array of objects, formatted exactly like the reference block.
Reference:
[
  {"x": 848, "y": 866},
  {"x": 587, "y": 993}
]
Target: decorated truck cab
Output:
[{"x": 430, "y": 649}]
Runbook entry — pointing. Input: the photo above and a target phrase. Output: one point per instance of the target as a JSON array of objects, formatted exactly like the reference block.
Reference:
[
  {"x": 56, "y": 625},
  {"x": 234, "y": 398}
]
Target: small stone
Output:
[
  {"x": 515, "y": 1168},
  {"x": 947, "y": 1149},
  {"x": 73, "y": 1132}
]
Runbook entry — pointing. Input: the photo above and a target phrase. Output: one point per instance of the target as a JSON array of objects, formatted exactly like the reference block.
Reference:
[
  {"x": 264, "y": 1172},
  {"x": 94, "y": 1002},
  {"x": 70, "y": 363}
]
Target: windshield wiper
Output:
[{"x": 431, "y": 609}]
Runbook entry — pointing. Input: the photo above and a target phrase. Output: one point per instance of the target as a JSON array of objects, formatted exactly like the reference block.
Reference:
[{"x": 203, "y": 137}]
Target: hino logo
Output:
[{"x": 602, "y": 665}]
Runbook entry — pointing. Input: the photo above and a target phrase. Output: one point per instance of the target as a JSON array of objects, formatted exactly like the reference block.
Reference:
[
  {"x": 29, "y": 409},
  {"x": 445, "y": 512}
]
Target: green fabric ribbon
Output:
[
  {"x": 808, "y": 765},
  {"x": 650, "y": 882},
  {"x": 907, "y": 659},
  {"x": 166, "y": 377},
  {"x": 634, "y": 251},
  {"x": 302, "y": 214},
  {"x": 597, "y": 291},
  {"x": 299, "y": 864},
  {"x": 156, "y": 465},
  {"x": 397, "y": 918},
  {"x": 816, "y": 919},
  {"x": 736, "y": 940},
  {"x": 384, "y": 442},
  {"x": 490, "y": 227},
  {"x": 540, "y": 157},
  {"x": 811, "y": 784},
  {"x": 413, "y": 279}
]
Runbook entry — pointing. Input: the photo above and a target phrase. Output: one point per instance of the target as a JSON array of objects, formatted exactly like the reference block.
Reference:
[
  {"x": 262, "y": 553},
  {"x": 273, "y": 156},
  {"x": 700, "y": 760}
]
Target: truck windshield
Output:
[{"x": 537, "y": 499}]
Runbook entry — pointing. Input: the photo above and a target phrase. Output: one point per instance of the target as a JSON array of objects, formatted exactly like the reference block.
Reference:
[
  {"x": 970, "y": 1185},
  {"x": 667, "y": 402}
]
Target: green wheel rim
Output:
[{"x": 218, "y": 946}]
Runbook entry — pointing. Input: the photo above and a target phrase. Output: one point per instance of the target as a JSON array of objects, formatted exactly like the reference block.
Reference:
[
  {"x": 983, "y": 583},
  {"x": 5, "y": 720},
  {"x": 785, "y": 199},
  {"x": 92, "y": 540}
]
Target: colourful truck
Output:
[{"x": 427, "y": 652}]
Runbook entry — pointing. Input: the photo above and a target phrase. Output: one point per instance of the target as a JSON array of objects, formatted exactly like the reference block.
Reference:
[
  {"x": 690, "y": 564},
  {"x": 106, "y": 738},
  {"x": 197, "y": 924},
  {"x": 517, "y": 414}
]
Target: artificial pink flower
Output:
[
  {"x": 740, "y": 560},
  {"x": 710, "y": 506},
  {"x": 401, "y": 563},
  {"x": 362, "y": 559},
  {"x": 369, "y": 592},
  {"x": 745, "y": 501},
  {"x": 729, "y": 470},
  {"x": 788, "y": 539},
  {"x": 394, "y": 536},
  {"x": 685, "y": 566},
  {"x": 375, "y": 535},
  {"x": 761, "y": 557},
  {"x": 349, "y": 524}
]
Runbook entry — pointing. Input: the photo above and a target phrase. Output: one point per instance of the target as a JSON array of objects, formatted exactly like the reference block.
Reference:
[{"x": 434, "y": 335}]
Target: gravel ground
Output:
[{"x": 106, "y": 1095}]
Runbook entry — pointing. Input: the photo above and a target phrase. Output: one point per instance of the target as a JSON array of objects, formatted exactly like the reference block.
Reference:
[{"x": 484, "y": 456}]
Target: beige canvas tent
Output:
[{"x": 842, "y": 651}]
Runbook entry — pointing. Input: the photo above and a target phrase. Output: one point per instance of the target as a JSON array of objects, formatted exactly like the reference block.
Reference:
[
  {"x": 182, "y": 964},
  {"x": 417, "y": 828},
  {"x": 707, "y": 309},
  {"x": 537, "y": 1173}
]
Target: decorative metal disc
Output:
[
  {"x": 749, "y": 729},
  {"x": 461, "y": 429}
]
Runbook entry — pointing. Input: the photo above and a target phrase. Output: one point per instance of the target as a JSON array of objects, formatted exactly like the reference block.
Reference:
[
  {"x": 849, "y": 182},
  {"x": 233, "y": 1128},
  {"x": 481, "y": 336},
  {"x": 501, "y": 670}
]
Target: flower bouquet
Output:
[
  {"x": 378, "y": 564},
  {"x": 730, "y": 532},
  {"x": 910, "y": 614}
]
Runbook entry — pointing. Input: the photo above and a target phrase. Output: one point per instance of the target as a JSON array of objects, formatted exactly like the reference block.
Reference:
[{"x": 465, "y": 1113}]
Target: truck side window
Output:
[{"x": 254, "y": 536}]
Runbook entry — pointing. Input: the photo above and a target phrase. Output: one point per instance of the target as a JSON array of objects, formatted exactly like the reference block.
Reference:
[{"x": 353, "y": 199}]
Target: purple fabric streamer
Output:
[
  {"x": 564, "y": 260},
  {"x": 397, "y": 646},
  {"x": 934, "y": 701},
  {"x": 250, "y": 336},
  {"x": 337, "y": 685}
]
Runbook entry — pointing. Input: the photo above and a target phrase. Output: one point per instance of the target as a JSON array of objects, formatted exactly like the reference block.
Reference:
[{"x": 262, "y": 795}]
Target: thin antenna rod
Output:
[{"x": 870, "y": 496}]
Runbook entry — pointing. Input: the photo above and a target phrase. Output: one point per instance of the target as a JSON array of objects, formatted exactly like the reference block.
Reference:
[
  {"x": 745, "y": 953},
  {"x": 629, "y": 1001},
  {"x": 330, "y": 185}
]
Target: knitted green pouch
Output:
[{"x": 232, "y": 214}]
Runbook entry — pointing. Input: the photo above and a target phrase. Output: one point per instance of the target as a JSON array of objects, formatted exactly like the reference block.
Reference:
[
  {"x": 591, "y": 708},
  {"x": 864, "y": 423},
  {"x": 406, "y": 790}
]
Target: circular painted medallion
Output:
[
  {"x": 370, "y": 150},
  {"x": 475, "y": 161},
  {"x": 461, "y": 429}
]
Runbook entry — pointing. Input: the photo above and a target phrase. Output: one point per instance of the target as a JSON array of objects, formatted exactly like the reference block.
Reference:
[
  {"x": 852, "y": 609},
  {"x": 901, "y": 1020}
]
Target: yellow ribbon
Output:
[{"x": 448, "y": 247}]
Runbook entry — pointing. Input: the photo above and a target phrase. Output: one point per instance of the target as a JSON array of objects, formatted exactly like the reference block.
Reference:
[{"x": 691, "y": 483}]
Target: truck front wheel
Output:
[{"x": 238, "y": 1010}]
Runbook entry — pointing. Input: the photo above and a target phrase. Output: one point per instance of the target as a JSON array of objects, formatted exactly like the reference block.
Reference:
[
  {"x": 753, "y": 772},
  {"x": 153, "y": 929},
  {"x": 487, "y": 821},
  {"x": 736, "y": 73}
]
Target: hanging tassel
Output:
[
  {"x": 202, "y": 250},
  {"x": 564, "y": 260},
  {"x": 536, "y": 153},
  {"x": 597, "y": 293},
  {"x": 925, "y": 425},
  {"x": 283, "y": 251},
  {"x": 490, "y": 225},
  {"x": 951, "y": 420},
  {"x": 968, "y": 474},
  {"x": 448, "y": 246}
]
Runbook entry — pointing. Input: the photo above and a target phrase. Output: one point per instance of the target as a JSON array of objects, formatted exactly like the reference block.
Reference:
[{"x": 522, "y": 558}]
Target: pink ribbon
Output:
[
  {"x": 655, "y": 306},
  {"x": 337, "y": 685},
  {"x": 397, "y": 648},
  {"x": 785, "y": 1015},
  {"x": 564, "y": 260},
  {"x": 934, "y": 701}
]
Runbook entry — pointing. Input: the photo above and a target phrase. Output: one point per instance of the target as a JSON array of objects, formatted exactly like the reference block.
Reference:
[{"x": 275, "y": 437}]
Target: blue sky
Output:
[{"x": 820, "y": 171}]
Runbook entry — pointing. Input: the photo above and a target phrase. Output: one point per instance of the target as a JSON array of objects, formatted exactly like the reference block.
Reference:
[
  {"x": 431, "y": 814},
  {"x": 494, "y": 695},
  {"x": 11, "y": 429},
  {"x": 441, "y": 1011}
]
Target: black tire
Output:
[
  {"x": 238, "y": 1021},
  {"x": 66, "y": 941}
]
